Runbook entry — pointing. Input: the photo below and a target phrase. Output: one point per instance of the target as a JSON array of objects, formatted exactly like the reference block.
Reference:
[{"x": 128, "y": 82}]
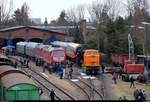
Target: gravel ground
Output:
[{"x": 123, "y": 88}]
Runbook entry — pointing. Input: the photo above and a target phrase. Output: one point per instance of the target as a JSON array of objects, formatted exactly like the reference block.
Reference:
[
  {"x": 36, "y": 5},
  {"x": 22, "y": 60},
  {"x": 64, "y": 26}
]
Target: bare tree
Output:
[
  {"x": 99, "y": 15},
  {"x": 100, "y": 9},
  {"x": 21, "y": 16},
  {"x": 25, "y": 13},
  {"x": 6, "y": 7},
  {"x": 139, "y": 9},
  {"x": 75, "y": 15},
  {"x": 115, "y": 8}
]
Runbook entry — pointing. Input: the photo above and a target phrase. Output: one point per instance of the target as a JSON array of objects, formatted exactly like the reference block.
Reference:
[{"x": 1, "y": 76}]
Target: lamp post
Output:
[
  {"x": 146, "y": 37},
  {"x": 141, "y": 28}
]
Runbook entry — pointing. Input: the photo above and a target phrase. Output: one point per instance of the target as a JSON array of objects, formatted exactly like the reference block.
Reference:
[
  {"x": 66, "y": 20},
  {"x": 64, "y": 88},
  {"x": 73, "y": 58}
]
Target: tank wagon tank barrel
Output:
[{"x": 16, "y": 85}]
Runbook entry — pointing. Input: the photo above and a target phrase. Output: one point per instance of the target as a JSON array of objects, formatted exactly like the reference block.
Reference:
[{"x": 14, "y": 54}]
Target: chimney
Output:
[{"x": 83, "y": 27}]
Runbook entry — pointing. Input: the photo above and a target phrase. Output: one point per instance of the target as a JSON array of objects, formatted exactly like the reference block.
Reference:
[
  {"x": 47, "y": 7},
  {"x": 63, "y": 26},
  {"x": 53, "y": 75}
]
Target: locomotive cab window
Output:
[
  {"x": 91, "y": 53},
  {"x": 58, "y": 53}
]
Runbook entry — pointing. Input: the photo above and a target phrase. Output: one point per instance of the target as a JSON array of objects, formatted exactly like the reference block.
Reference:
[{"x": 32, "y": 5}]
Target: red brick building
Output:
[{"x": 29, "y": 33}]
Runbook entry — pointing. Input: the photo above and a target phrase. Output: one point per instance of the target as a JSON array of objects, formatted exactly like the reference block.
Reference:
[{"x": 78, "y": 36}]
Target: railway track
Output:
[
  {"x": 103, "y": 88},
  {"x": 87, "y": 88},
  {"x": 93, "y": 92},
  {"x": 81, "y": 87},
  {"x": 61, "y": 94}
]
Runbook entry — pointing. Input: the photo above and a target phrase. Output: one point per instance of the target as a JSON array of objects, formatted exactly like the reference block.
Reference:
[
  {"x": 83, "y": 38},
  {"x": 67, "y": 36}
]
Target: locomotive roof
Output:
[
  {"x": 57, "y": 48},
  {"x": 22, "y": 43},
  {"x": 65, "y": 44},
  {"x": 60, "y": 43},
  {"x": 91, "y": 50},
  {"x": 74, "y": 44},
  {"x": 50, "y": 48}
]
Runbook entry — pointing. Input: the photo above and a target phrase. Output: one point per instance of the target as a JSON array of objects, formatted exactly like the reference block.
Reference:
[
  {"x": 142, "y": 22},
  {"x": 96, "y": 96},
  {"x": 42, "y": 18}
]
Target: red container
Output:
[{"x": 134, "y": 68}]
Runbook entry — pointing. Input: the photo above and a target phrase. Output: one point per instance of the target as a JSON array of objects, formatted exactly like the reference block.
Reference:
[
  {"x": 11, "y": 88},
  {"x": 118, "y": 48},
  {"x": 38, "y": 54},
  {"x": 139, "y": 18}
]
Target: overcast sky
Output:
[{"x": 49, "y": 8}]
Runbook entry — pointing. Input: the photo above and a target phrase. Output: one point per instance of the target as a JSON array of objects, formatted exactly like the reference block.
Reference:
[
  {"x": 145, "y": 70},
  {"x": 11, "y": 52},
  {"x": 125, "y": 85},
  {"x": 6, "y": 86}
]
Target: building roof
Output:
[
  {"x": 57, "y": 27},
  {"x": 30, "y": 27},
  {"x": 13, "y": 79}
]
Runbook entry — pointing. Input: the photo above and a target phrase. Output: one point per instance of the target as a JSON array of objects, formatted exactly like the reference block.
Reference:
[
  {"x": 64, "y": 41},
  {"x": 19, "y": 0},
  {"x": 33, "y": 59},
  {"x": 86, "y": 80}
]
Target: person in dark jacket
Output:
[
  {"x": 141, "y": 96},
  {"x": 40, "y": 91},
  {"x": 70, "y": 73},
  {"x": 132, "y": 82},
  {"x": 28, "y": 62},
  {"x": 61, "y": 72},
  {"x": 136, "y": 94},
  {"x": 16, "y": 64},
  {"x": 103, "y": 68},
  {"x": 70, "y": 64},
  {"x": 52, "y": 95}
]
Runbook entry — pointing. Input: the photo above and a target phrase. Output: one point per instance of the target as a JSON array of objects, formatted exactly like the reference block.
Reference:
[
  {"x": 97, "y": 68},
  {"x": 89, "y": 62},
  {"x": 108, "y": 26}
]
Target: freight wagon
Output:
[
  {"x": 15, "y": 85},
  {"x": 134, "y": 70},
  {"x": 129, "y": 68}
]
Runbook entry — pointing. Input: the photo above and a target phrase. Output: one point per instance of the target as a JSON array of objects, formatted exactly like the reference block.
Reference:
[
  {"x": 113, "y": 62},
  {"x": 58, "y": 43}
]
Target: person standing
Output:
[
  {"x": 16, "y": 64},
  {"x": 103, "y": 68},
  {"x": 132, "y": 82},
  {"x": 124, "y": 98},
  {"x": 40, "y": 91},
  {"x": 71, "y": 65},
  {"x": 120, "y": 98},
  {"x": 70, "y": 73},
  {"x": 44, "y": 67},
  {"x": 52, "y": 95},
  {"x": 141, "y": 96},
  {"x": 28, "y": 63},
  {"x": 61, "y": 72},
  {"x": 144, "y": 95},
  {"x": 64, "y": 71},
  {"x": 136, "y": 94},
  {"x": 115, "y": 78}
]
